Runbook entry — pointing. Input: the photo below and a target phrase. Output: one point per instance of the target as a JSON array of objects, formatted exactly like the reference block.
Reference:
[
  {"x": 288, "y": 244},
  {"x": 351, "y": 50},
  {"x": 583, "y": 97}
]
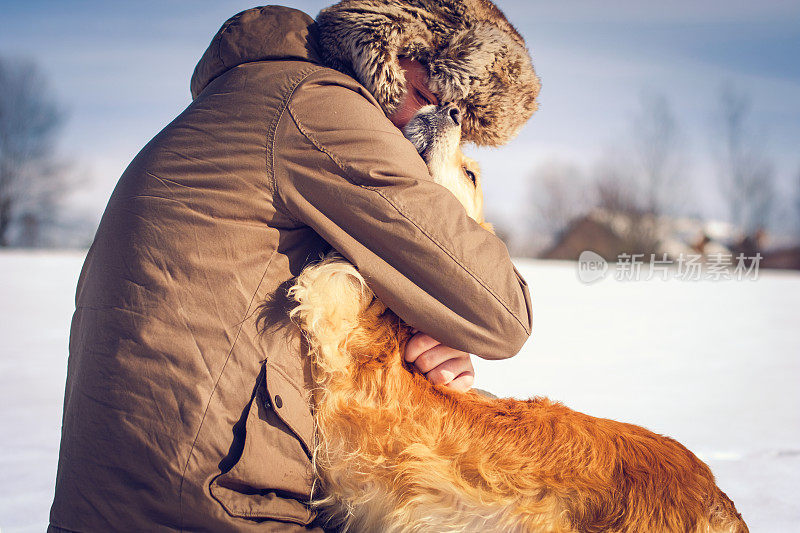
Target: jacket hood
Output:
[
  {"x": 475, "y": 58},
  {"x": 258, "y": 34}
]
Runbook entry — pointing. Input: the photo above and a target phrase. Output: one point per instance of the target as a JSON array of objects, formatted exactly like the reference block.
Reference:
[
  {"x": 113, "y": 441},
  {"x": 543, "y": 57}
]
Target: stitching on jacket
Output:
[
  {"x": 308, "y": 517},
  {"x": 273, "y": 515},
  {"x": 214, "y": 390},
  {"x": 240, "y": 513},
  {"x": 230, "y": 22},
  {"x": 450, "y": 254},
  {"x": 308, "y": 446},
  {"x": 294, "y": 82},
  {"x": 303, "y": 393}
]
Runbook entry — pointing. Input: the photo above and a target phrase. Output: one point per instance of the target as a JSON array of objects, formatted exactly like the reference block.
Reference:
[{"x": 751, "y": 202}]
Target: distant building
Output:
[
  {"x": 610, "y": 233},
  {"x": 785, "y": 258}
]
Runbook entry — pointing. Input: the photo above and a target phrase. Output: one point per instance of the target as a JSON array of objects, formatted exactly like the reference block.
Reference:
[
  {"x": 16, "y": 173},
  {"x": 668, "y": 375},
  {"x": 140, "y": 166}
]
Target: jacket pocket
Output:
[{"x": 272, "y": 478}]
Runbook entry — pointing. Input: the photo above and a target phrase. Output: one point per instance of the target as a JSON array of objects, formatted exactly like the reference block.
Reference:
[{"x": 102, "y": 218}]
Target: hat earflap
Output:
[
  {"x": 458, "y": 68},
  {"x": 370, "y": 45}
]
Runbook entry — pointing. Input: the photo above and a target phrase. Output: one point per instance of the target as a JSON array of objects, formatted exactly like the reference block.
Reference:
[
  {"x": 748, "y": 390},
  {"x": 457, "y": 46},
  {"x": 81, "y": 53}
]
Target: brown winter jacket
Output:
[{"x": 178, "y": 415}]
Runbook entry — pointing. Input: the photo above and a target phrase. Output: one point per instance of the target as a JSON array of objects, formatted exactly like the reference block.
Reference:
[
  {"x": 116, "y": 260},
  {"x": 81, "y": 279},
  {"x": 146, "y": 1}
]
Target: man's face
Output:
[{"x": 417, "y": 93}]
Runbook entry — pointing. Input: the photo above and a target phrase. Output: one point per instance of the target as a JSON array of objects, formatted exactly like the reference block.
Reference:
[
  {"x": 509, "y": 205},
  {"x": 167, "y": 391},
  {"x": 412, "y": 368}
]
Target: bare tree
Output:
[
  {"x": 557, "y": 196},
  {"x": 657, "y": 150},
  {"x": 30, "y": 182},
  {"x": 625, "y": 209},
  {"x": 614, "y": 186},
  {"x": 746, "y": 176}
]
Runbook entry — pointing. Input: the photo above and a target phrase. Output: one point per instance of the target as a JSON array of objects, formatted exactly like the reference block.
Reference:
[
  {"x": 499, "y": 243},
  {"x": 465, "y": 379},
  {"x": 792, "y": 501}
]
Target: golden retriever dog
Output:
[{"x": 396, "y": 453}]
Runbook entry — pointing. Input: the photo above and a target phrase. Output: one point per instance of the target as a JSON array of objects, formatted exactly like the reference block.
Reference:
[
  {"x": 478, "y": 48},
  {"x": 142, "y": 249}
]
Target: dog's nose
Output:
[{"x": 455, "y": 115}]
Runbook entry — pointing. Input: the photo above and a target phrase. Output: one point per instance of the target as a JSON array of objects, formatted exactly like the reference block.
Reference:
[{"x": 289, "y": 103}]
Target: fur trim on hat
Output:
[{"x": 474, "y": 56}]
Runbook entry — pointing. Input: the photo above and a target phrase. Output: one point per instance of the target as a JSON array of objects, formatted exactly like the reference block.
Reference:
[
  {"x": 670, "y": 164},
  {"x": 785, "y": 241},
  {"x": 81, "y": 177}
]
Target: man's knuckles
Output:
[{"x": 418, "y": 346}]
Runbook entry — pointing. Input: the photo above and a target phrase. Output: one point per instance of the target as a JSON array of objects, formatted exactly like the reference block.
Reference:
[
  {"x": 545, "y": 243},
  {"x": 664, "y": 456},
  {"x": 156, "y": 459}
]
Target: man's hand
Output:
[{"x": 440, "y": 364}]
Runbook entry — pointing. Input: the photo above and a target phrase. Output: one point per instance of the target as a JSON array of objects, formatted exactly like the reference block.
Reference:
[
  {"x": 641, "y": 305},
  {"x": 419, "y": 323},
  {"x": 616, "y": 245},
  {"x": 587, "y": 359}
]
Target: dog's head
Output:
[{"x": 435, "y": 131}]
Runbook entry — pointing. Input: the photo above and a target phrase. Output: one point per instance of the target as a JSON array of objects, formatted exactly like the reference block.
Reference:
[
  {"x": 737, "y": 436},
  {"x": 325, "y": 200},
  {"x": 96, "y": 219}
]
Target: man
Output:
[{"x": 181, "y": 412}]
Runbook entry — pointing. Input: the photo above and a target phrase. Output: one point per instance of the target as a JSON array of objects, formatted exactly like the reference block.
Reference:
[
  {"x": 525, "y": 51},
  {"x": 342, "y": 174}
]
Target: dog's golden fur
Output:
[{"x": 395, "y": 453}]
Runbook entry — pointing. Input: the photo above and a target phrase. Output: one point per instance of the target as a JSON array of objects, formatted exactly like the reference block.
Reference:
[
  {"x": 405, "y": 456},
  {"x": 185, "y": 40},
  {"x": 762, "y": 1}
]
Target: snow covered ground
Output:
[{"x": 714, "y": 364}]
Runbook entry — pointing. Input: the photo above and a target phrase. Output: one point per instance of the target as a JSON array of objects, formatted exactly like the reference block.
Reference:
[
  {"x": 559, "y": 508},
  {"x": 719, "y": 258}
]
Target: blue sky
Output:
[{"x": 122, "y": 71}]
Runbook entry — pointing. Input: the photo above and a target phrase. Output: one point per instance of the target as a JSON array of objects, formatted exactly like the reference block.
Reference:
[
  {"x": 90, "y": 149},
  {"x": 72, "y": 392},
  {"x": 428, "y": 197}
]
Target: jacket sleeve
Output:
[{"x": 342, "y": 168}]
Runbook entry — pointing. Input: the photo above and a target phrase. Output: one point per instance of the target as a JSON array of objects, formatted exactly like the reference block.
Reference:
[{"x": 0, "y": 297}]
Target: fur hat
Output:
[{"x": 474, "y": 56}]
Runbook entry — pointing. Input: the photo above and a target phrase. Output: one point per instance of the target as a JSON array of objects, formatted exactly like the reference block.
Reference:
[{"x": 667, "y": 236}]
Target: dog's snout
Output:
[{"x": 455, "y": 115}]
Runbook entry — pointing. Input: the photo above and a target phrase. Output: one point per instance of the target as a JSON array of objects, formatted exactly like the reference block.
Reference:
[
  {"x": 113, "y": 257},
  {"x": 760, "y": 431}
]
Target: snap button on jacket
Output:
[{"x": 187, "y": 402}]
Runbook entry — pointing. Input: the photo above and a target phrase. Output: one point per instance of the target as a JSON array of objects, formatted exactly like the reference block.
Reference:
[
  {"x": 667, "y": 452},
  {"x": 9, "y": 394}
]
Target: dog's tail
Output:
[{"x": 330, "y": 296}]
